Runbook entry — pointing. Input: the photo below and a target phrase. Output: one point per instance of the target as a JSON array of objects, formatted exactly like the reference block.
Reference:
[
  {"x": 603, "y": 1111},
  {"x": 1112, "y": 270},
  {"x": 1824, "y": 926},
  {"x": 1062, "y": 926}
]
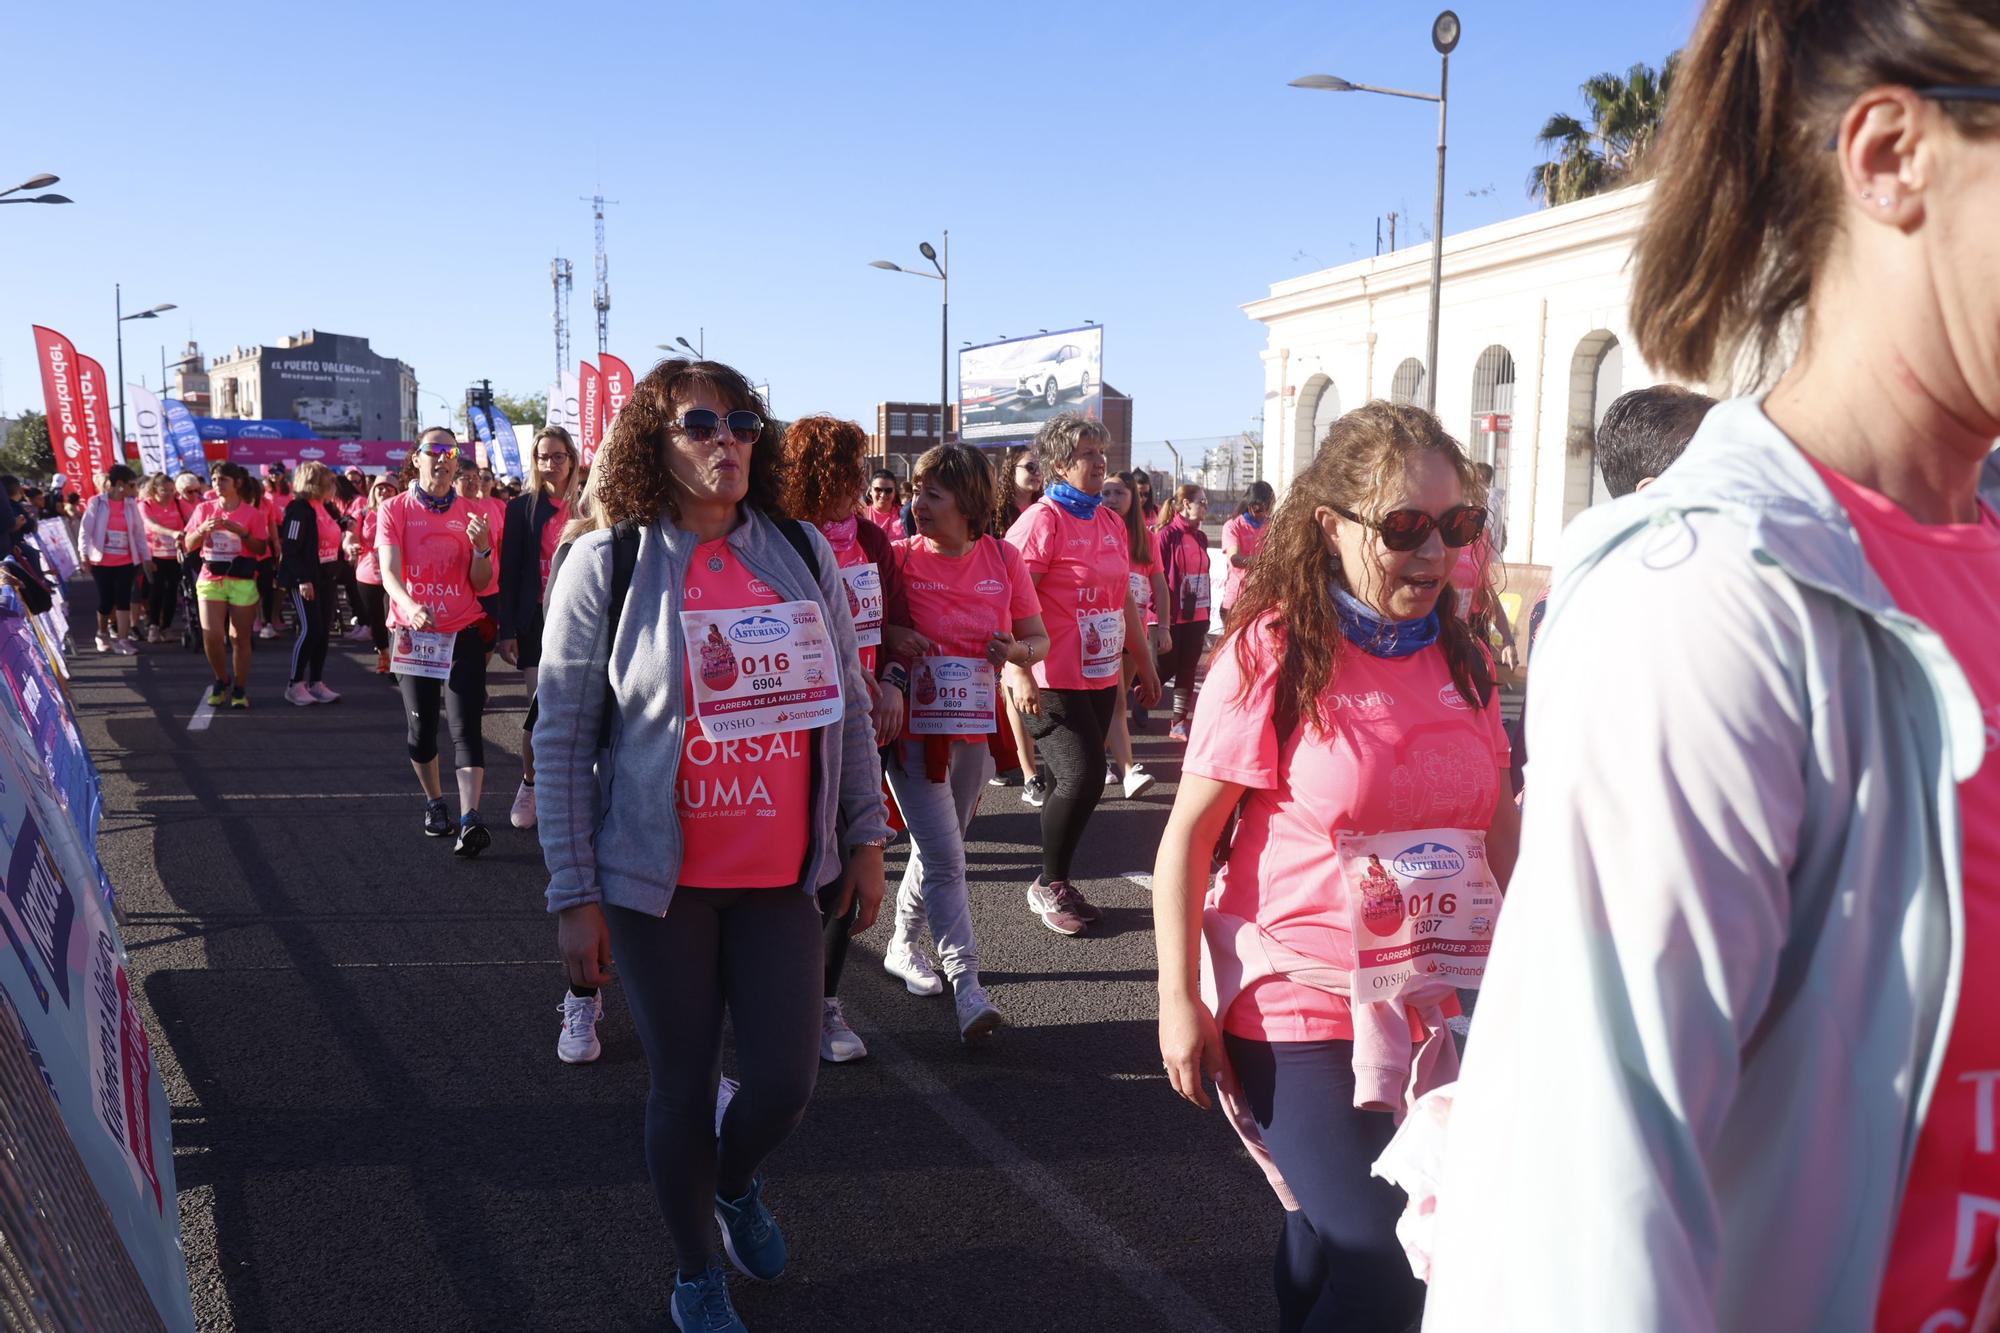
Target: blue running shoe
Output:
[
  {"x": 750, "y": 1236},
  {"x": 703, "y": 1305}
]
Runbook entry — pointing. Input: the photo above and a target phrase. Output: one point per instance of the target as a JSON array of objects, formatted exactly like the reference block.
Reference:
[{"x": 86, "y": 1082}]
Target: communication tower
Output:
[
  {"x": 601, "y": 296},
  {"x": 560, "y": 277}
]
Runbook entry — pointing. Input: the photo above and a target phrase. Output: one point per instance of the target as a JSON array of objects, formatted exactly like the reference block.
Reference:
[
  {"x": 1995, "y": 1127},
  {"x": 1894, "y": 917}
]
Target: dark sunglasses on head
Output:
[
  {"x": 701, "y": 425},
  {"x": 1944, "y": 92},
  {"x": 1407, "y": 529}
]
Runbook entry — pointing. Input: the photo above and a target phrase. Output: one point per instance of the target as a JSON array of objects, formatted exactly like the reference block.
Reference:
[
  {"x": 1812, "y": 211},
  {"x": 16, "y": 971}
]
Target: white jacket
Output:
[{"x": 97, "y": 521}]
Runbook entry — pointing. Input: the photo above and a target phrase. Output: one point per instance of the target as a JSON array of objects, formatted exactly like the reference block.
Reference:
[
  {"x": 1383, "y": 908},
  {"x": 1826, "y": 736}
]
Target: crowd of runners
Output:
[{"x": 1733, "y": 1063}]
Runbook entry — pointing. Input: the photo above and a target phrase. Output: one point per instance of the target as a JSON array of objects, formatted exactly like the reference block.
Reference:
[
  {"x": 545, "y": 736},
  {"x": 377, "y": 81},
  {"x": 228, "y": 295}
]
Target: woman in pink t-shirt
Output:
[
  {"x": 884, "y": 506},
  {"x": 1148, "y": 590},
  {"x": 1346, "y": 697},
  {"x": 1241, "y": 536},
  {"x": 164, "y": 519},
  {"x": 1184, "y": 564},
  {"x": 229, "y": 535},
  {"x": 374, "y": 601},
  {"x": 1017, "y": 485},
  {"x": 113, "y": 528}
]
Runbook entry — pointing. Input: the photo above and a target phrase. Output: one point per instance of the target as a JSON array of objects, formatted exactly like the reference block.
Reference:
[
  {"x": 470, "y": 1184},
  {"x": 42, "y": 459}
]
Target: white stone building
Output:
[{"x": 1533, "y": 345}]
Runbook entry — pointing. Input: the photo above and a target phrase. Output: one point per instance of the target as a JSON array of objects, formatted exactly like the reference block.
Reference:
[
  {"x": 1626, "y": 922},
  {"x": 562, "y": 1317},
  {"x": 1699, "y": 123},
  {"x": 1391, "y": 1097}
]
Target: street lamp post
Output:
[
  {"x": 35, "y": 183},
  {"x": 118, "y": 301},
  {"x": 676, "y": 346},
  {"x": 940, "y": 262},
  {"x": 1445, "y": 32}
]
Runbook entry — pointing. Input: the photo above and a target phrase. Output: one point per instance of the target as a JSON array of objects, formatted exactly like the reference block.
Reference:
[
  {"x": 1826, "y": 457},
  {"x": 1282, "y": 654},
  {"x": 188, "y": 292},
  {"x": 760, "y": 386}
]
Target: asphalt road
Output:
[{"x": 371, "y": 1130}]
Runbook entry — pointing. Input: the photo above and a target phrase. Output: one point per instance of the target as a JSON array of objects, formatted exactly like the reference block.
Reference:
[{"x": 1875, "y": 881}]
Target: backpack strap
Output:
[
  {"x": 624, "y": 559},
  {"x": 795, "y": 533}
]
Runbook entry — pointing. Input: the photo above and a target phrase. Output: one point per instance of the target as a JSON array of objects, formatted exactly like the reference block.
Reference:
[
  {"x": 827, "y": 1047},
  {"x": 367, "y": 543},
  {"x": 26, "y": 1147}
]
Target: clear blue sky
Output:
[{"x": 406, "y": 171}]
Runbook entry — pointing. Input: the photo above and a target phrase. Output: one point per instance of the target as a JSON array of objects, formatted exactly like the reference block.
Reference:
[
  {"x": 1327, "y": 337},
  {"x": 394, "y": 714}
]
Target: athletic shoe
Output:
[
  {"x": 124, "y": 647},
  {"x": 103, "y": 644},
  {"x": 1137, "y": 782},
  {"x": 323, "y": 694},
  {"x": 703, "y": 1305},
  {"x": 1056, "y": 906},
  {"x": 437, "y": 819},
  {"x": 218, "y": 694},
  {"x": 382, "y": 664},
  {"x": 472, "y": 835},
  {"x": 297, "y": 693},
  {"x": 750, "y": 1235},
  {"x": 152, "y": 634},
  {"x": 268, "y": 632},
  {"x": 1110, "y": 774},
  {"x": 238, "y": 698},
  {"x": 577, "y": 1044},
  {"x": 1010, "y": 778},
  {"x": 360, "y": 634},
  {"x": 838, "y": 1043},
  {"x": 1082, "y": 907},
  {"x": 1034, "y": 791},
  {"x": 725, "y": 1092},
  {"x": 522, "y": 814},
  {"x": 915, "y": 970},
  {"x": 1178, "y": 731},
  {"x": 977, "y": 1018}
]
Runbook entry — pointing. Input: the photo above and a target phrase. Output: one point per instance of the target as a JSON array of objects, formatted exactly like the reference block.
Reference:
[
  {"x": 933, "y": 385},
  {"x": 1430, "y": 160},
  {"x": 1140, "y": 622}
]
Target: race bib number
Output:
[
  {"x": 161, "y": 545},
  {"x": 1102, "y": 635},
  {"x": 952, "y": 696},
  {"x": 222, "y": 545},
  {"x": 1142, "y": 590},
  {"x": 421, "y": 652},
  {"x": 864, "y": 602},
  {"x": 1194, "y": 597},
  {"x": 116, "y": 542},
  {"x": 329, "y": 554},
  {"x": 1422, "y": 905},
  {"x": 760, "y": 670}
]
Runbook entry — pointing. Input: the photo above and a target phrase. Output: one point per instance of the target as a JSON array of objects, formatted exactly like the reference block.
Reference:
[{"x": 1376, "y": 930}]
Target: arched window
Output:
[
  {"x": 1492, "y": 427},
  {"x": 1407, "y": 384},
  {"x": 1319, "y": 408},
  {"x": 1596, "y": 378}
]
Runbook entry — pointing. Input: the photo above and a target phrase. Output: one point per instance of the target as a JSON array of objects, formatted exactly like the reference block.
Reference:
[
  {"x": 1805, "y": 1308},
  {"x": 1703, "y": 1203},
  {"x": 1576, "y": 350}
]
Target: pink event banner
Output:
[{"x": 340, "y": 455}]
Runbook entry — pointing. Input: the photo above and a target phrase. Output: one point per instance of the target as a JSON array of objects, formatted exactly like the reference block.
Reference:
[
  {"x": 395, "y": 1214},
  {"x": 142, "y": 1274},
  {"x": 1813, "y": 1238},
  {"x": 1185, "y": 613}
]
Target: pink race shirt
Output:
[
  {"x": 1083, "y": 565},
  {"x": 742, "y": 803},
  {"x": 890, "y": 521},
  {"x": 1405, "y": 752},
  {"x": 848, "y": 553},
  {"x": 118, "y": 536},
  {"x": 1239, "y": 537},
  {"x": 329, "y": 535},
  {"x": 551, "y": 540},
  {"x": 224, "y": 546},
  {"x": 168, "y": 515},
  {"x": 368, "y": 568},
  {"x": 1948, "y": 576},
  {"x": 1139, "y": 573},
  {"x": 959, "y": 603},
  {"x": 437, "y": 560}
]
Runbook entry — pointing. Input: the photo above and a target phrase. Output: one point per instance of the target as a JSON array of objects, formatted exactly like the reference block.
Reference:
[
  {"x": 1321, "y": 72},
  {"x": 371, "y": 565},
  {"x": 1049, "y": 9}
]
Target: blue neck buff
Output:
[
  {"x": 1252, "y": 520},
  {"x": 1078, "y": 504},
  {"x": 432, "y": 502},
  {"x": 1377, "y": 636}
]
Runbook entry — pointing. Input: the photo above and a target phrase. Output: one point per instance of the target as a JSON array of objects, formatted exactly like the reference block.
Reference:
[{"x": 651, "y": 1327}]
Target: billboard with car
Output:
[{"x": 1006, "y": 390}]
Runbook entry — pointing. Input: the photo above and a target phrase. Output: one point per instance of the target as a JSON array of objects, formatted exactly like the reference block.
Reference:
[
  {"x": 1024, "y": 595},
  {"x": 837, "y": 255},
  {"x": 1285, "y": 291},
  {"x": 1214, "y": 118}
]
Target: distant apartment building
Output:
[{"x": 333, "y": 383}]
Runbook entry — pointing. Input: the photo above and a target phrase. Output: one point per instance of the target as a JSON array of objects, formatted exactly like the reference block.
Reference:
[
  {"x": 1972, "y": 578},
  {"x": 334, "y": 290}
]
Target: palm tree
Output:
[{"x": 1626, "y": 113}]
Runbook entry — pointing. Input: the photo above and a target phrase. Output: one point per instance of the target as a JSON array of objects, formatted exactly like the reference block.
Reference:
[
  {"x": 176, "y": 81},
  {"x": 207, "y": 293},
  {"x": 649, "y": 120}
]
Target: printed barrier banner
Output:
[
  {"x": 64, "y": 970},
  {"x": 340, "y": 455},
  {"x": 229, "y": 428}
]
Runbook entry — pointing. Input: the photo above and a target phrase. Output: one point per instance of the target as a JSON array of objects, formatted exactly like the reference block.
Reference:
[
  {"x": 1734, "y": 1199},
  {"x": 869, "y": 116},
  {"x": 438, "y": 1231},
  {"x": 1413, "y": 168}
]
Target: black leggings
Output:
[
  {"x": 267, "y": 591},
  {"x": 315, "y": 615},
  {"x": 163, "y": 592},
  {"x": 114, "y": 587},
  {"x": 1069, "y": 741},
  {"x": 374, "y": 613},
  {"x": 836, "y": 927},
  {"x": 463, "y": 698},
  {"x": 1183, "y": 663},
  {"x": 757, "y": 951}
]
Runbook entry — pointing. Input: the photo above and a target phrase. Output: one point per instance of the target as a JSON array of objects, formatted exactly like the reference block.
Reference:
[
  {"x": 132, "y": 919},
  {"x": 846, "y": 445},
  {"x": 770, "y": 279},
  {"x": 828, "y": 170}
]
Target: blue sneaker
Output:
[
  {"x": 703, "y": 1305},
  {"x": 750, "y": 1236}
]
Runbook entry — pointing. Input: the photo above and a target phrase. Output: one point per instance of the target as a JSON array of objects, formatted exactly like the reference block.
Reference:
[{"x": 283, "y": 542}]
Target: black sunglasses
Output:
[
  {"x": 1943, "y": 92},
  {"x": 1407, "y": 529},
  {"x": 701, "y": 425}
]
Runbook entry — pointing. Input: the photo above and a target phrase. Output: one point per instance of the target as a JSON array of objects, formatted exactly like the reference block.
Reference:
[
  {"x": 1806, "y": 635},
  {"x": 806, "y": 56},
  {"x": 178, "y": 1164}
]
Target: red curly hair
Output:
[{"x": 823, "y": 472}]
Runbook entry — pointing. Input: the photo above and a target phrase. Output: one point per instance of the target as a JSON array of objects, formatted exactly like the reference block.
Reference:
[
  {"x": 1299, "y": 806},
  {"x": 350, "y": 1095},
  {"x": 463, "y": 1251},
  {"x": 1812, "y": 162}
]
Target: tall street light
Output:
[
  {"x": 944, "y": 335},
  {"x": 1444, "y": 37},
  {"x": 118, "y": 298},
  {"x": 35, "y": 183},
  {"x": 678, "y": 344}
]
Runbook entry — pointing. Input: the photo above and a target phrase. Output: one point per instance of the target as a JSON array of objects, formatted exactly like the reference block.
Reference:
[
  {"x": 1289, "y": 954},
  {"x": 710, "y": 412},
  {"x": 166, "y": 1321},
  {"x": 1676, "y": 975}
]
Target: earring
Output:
[{"x": 1884, "y": 201}]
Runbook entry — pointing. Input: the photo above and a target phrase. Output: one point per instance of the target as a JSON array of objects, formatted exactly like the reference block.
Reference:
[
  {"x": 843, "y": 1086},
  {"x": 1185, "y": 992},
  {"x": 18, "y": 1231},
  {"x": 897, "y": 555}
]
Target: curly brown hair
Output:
[
  {"x": 1005, "y": 511},
  {"x": 1296, "y": 569},
  {"x": 630, "y": 480},
  {"x": 823, "y": 469}
]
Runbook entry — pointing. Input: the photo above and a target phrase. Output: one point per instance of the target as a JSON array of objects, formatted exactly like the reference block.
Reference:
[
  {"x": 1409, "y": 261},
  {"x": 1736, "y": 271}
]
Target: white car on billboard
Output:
[{"x": 1060, "y": 371}]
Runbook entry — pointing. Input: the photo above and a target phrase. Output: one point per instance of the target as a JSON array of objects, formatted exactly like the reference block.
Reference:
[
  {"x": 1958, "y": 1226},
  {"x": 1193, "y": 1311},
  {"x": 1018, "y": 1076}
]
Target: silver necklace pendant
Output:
[{"x": 715, "y": 564}]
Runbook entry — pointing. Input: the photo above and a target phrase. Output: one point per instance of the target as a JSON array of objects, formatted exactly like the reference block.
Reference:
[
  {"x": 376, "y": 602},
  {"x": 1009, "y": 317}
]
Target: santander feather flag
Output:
[
  {"x": 590, "y": 400},
  {"x": 68, "y": 433},
  {"x": 105, "y": 448},
  {"x": 618, "y": 383}
]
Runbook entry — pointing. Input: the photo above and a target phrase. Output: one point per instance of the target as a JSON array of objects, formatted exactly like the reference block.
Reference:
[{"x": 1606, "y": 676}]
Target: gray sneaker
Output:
[
  {"x": 977, "y": 1018},
  {"x": 1056, "y": 904},
  {"x": 1034, "y": 791}
]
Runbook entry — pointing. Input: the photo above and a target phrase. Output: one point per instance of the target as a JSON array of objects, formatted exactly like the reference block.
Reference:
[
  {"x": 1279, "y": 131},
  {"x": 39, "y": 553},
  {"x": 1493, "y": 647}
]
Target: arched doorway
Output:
[
  {"x": 1407, "y": 384},
  {"x": 1319, "y": 408},
  {"x": 1492, "y": 428},
  {"x": 1596, "y": 378}
]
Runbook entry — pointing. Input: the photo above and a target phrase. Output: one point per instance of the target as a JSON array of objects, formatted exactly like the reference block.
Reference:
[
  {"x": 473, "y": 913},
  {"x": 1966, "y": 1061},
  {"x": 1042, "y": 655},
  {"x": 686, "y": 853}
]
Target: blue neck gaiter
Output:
[
  {"x": 431, "y": 502},
  {"x": 1377, "y": 636},
  {"x": 1078, "y": 504}
]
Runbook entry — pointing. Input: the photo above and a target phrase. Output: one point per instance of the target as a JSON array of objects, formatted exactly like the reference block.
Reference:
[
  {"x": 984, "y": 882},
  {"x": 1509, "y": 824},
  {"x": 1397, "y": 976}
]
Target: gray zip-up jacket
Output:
[{"x": 608, "y": 829}]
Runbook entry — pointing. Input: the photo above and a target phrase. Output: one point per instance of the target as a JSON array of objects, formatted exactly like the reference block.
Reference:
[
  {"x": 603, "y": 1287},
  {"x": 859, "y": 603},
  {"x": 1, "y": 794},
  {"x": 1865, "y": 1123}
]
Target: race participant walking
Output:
[
  {"x": 112, "y": 530},
  {"x": 823, "y": 478},
  {"x": 885, "y": 505},
  {"x": 1241, "y": 537},
  {"x": 718, "y": 904},
  {"x": 230, "y": 534},
  {"x": 374, "y": 602},
  {"x": 1019, "y": 486},
  {"x": 1184, "y": 565},
  {"x": 310, "y": 538},
  {"x": 1148, "y": 589},
  {"x": 273, "y": 494},
  {"x": 1076, "y": 551},
  {"x": 164, "y": 517},
  {"x": 1752, "y": 942},
  {"x": 978, "y": 624},
  {"x": 475, "y": 491},
  {"x": 435, "y": 554},
  {"x": 531, "y": 530},
  {"x": 1350, "y": 719}
]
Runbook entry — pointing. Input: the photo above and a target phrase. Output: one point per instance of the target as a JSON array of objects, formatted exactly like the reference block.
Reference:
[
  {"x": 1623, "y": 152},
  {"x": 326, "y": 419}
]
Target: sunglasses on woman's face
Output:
[
  {"x": 440, "y": 452},
  {"x": 1407, "y": 529},
  {"x": 701, "y": 425}
]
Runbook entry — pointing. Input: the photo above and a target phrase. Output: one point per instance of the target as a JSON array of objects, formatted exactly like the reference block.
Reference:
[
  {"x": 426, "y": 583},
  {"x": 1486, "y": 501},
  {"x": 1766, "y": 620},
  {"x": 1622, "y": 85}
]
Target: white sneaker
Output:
[
  {"x": 906, "y": 961},
  {"x": 124, "y": 647},
  {"x": 300, "y": 695},
  {"x": 360, "y": 633},
  {"x": 322, "y": 693},
  {"x": 152, "y": 634},
  {"x": 1137, "y": 781},
  {"x": 577, "y": 1044},
  {"x": 725, "y": 1090},
  {"x": 1111, "y": 775},
  {"x": 103, "y": 644},
  {"x": 838, "y": 1043},
  {"x": 977, "y": 1018},
  {"x": 522, "y": 815},
  {"x": 267, "y": 633}
]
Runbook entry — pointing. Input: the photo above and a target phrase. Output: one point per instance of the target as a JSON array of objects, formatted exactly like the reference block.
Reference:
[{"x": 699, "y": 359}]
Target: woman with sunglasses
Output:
[
  {"x": 373, "y": 602},
  {"x": 231, "y": 533},
  {"x": 1241, "y": 536},
  {"x": 1185, "y": 569},
  {"x": 885, "y": 504},
  {"x": 435, "y": 554},
  {"x": 1078, "y": 554},
  {"x": 1346, "y": 701},
  {"x": 729, "y": 682},
  {"x": 1754, "y": 934},
  {"x": 1020, "y": 485},
  {"x": 1148, "y": 589},
  {"x": 531, "y": 530}
]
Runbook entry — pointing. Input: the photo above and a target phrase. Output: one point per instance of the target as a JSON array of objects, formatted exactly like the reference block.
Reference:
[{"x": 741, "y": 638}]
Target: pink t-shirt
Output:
[
  {"x": 222, "y": 545},
  {"x": 1083, "y": 565},
  {"x": 118, "y": 536},
  {"x": 959, "y": 603},
  {"x": 848, "y": 553},
  {"x": 551, "y": 540},
  {"x": 368, "y": 569},
  {"x": 329, "y": 535},
  {"x": 274, "y": 519},
  {"x": 743, "y": 804},
  {"x": 890, "y": 521},
  {"x": 437, "y": 560},
  {"x": 1405, "y": 752},
  {"x": 1139, "y": 573},
  {"x": 1468, "y": 572},
  {"x": 1239, "y": 537},
  {"x": 168, "y": 515},
  {"x": 1948, "y": 576}
]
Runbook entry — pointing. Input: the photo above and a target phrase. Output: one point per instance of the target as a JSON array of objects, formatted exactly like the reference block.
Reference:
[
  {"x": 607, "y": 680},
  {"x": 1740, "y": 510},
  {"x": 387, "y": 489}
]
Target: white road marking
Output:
[
  {"x": 1143, "y": 878},
  {"x": 204, "y": 713}
]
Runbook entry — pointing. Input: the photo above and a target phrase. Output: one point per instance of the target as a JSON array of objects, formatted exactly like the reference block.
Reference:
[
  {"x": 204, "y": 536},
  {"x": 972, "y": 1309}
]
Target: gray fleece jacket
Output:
[{"x": 607, "y": 823}]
